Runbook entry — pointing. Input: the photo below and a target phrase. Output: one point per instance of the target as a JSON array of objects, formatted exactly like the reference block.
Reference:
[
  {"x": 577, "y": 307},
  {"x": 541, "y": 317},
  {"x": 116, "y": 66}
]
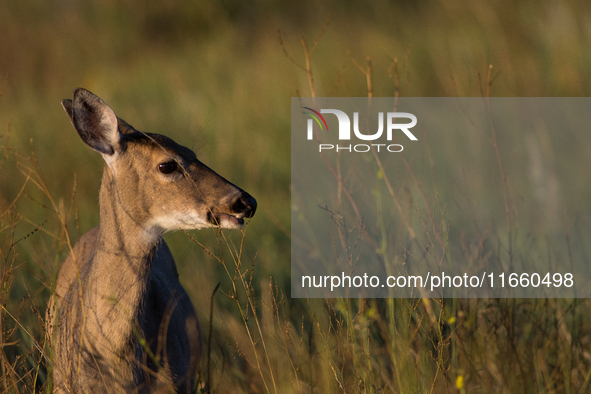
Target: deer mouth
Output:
[
  {"x": 243, "y": 205},
  {"x": 225, "y": 220}
]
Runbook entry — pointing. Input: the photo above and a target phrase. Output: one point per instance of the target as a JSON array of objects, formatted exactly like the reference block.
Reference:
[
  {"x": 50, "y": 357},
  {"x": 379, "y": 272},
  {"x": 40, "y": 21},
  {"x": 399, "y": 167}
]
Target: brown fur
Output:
[{"x": 119, "y": 320}]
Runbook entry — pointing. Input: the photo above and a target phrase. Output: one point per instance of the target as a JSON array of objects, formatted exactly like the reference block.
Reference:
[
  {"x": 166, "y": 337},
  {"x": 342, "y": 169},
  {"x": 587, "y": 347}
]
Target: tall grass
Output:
[{"x": 215, "y": 77}]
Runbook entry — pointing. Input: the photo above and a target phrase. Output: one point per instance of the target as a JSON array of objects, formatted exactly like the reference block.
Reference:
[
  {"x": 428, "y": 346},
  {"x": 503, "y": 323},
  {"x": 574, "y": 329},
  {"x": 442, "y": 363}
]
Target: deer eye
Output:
[{"x": 168, "y": 167}]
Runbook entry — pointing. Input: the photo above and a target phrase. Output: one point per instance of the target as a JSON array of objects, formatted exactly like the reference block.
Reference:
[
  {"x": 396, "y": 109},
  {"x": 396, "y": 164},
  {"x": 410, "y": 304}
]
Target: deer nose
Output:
[{"x": 245, "y": 204}]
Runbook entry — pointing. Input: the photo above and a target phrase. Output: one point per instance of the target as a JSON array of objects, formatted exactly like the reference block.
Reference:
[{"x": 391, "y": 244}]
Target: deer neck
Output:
[
  {"x": 123, "y": 231},
  {"x": 122, "y": 262}
]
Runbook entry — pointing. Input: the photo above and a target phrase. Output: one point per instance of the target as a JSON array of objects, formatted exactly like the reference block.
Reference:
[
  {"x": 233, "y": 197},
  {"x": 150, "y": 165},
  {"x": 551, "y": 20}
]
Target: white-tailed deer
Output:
[{"x": 119, "y": 320}]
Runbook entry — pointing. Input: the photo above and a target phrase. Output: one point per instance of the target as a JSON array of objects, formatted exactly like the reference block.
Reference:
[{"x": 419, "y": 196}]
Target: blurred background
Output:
[{"x": 218, "y": 77}]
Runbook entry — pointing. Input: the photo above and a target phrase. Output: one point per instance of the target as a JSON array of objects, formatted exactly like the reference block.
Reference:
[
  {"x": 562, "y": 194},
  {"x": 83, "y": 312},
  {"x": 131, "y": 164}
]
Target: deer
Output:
[{"x": 119, "y": 320}]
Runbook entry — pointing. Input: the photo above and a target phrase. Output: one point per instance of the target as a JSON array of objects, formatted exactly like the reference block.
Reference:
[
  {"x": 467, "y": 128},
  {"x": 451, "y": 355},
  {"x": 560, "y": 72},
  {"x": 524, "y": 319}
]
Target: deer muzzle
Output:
[{"x": 243, "y": 205}]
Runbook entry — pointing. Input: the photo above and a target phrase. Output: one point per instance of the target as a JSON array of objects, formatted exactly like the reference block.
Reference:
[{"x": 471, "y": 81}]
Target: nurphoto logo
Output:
[{"x": 345, "y": 129}]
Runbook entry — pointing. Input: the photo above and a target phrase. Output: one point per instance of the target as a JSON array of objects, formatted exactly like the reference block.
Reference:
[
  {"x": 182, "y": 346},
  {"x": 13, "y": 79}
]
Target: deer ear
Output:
[
  {"x": 67, "y": 104},
  {"x": 124, "y": 127},
  {"x": 95, "y": 122}
]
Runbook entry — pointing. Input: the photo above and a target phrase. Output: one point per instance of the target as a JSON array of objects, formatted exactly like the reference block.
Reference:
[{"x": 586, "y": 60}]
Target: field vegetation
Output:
[{"x": 218, "y": 77}]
